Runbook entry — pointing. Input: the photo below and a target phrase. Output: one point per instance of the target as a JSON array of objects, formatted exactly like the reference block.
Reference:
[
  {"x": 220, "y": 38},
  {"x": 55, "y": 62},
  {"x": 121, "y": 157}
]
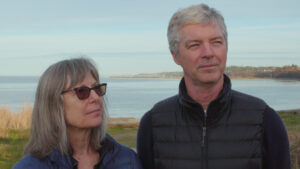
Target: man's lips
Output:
[{"x": 207, "y": 66}]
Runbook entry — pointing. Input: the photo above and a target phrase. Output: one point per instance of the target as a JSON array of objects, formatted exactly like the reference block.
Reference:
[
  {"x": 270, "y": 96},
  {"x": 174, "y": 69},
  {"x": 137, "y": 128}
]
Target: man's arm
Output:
[
  {"x": 144, "y": 142},
  {"x": 276, "y": 143}
]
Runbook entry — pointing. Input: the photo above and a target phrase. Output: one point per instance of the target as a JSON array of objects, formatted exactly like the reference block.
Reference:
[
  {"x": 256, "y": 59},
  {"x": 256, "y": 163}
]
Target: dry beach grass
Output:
[
  {"x": 18, "y": 120},
  {"x": 22, "y": 120}
]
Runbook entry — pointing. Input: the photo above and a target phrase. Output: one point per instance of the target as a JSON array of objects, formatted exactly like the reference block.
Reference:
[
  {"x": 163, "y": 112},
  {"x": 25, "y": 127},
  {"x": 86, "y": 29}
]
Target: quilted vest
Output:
[{"x": 186, "y": 139}]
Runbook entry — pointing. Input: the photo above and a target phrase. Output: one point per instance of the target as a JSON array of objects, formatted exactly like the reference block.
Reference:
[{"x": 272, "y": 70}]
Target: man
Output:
[{"x": 208, "y": 125}]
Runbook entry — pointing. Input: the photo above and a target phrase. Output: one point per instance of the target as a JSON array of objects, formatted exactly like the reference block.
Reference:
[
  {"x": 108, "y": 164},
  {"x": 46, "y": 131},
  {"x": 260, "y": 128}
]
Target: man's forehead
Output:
[
  {"x": 212, "y": 24},
  {"x": 194, "y": 31},
  {"x": 187, "y": 41}
]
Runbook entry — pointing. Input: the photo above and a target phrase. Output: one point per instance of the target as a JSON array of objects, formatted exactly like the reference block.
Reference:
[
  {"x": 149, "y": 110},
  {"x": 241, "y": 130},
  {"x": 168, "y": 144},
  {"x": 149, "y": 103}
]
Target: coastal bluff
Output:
[{"x": 271, "y": 72}]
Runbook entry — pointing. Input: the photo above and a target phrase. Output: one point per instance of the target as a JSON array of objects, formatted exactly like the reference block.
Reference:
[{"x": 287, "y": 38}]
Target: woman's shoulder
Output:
[
  {"x": 54, "y": 159},
  {"x": 30, "y": 162},
  {"x": 120, "y": 148},
  {"x": 123, "y": 156}
]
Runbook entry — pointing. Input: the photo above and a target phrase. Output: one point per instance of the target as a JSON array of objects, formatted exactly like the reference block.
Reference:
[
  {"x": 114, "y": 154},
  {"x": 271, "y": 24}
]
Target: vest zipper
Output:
[
  {"x": 204, "y": 129},
  {"x": 203, "y": 136},
  {"x": 204, "y": 146}
]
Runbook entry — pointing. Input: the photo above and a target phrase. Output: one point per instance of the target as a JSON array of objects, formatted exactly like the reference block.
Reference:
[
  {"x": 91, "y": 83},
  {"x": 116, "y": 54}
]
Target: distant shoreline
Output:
[
  {"x": 141, "y": 77},
  {"x": 175, "y": 77},
  {"x": 291, "y": 72}
]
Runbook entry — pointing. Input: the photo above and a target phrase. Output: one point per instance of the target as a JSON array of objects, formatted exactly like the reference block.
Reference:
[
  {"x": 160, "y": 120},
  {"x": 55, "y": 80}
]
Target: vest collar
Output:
[{"x": 216, "y": 108}]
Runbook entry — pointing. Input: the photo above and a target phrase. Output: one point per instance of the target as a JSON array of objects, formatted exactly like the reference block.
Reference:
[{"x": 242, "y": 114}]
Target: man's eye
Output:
[
  {"x": 193, "y": 45},
  {"x": 217, "y": 42}
]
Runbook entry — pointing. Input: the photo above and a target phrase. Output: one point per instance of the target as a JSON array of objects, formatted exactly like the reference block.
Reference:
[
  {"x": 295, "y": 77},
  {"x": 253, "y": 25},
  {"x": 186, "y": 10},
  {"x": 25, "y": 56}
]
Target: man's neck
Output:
[{"x": 203, "y": 93}]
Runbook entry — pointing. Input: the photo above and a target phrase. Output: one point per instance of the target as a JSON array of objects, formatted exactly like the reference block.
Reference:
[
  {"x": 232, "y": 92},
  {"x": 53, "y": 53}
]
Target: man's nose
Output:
[{"x": 207, "y": 50}]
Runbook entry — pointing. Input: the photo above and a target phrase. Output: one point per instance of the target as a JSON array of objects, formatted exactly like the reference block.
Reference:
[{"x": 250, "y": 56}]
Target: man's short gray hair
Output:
[{"x": 196, "y": 14}]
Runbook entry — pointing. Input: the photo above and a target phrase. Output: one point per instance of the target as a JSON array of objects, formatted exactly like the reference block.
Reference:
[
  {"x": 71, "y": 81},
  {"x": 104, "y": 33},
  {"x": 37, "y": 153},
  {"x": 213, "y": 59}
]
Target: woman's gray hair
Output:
[
  {"x": 196, "y": 14},
  {"x": 49, "y": 130}
]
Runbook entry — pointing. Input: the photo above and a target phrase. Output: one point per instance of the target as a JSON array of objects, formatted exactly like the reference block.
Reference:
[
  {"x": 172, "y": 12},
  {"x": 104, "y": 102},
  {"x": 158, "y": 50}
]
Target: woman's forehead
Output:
[{"x": 76, "y": 81}]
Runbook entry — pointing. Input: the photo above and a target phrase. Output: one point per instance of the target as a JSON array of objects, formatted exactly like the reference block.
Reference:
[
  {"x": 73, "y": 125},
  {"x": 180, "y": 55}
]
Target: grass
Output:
[
  {"x": 291, "y": 120},
  {"x": 11, "y": 146},
  {"x": 126, "y": 136},
  {"x": 14, "y": 137},
  {"x": 13, "y": 141}
]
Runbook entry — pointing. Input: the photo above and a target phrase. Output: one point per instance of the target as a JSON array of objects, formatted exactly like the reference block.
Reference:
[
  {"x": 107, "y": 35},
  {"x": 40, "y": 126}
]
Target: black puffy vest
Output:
[{"x": 229, "y": 137}]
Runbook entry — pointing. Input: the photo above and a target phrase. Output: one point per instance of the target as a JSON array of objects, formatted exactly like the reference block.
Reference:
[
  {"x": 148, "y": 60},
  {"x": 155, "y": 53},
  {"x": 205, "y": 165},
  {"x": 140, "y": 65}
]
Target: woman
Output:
[{"x": 69, "y": 122}]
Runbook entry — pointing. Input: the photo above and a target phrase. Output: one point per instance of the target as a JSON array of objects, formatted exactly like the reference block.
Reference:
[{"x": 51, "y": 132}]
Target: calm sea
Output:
[{"x": 133, "y": 97}]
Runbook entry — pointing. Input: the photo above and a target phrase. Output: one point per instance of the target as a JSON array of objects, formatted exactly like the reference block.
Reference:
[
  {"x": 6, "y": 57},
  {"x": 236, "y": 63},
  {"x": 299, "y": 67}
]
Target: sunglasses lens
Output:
[
  {"x": 103, "y": 89},
  {"x": 83, "y": 93},
  {"x": 100, "y": 89}
]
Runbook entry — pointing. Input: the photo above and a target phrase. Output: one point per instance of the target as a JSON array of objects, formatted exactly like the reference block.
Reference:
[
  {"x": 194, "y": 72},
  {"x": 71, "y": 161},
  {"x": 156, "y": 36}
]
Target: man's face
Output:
[{"x": 202, "y": 53}]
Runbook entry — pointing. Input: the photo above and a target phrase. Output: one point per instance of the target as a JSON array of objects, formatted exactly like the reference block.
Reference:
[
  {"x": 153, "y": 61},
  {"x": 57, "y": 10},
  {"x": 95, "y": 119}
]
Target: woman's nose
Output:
[{"x": 94, "y": 95}]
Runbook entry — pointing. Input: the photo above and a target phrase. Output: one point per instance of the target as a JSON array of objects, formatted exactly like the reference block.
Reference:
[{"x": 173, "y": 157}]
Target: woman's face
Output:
[{"x": 86, "y": 113}]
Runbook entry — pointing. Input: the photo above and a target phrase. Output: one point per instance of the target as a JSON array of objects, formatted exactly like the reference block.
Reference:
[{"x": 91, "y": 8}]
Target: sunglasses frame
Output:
[{"x": 96, "y": 87}]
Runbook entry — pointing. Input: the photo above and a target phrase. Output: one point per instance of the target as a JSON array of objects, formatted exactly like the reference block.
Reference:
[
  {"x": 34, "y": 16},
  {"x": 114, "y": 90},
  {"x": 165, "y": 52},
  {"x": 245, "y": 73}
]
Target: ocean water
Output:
[{"x": 129, "y": 97}]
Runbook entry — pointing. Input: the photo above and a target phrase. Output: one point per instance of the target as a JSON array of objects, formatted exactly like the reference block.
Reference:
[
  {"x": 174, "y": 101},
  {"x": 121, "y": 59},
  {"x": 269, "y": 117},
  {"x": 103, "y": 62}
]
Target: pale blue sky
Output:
[{"x": 129, "y": 36}]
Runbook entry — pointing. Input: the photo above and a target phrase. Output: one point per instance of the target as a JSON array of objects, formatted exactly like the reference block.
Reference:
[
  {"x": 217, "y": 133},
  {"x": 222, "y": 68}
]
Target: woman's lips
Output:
[{"x": 96, "y": 111}]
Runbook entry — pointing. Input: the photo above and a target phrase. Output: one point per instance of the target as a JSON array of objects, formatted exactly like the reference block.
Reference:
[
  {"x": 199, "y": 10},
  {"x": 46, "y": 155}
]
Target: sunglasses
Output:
[{"x": 84, "y": 92}]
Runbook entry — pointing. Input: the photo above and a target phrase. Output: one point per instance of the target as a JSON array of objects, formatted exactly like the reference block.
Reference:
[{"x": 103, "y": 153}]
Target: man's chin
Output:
[{"x": 210, "y": 78}]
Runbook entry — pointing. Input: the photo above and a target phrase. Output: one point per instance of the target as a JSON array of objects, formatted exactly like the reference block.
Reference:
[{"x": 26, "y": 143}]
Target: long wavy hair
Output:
[{"x": 49, "y": 130}]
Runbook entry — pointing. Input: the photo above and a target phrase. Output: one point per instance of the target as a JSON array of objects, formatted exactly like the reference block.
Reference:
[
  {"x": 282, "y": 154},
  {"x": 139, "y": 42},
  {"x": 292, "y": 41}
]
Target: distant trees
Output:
[
  {"x": 289, "y": 72},
  {"x": 248, "y": 71}
]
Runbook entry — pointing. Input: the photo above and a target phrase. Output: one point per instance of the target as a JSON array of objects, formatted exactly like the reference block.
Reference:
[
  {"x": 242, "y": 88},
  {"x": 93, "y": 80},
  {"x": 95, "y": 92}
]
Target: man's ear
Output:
[{"x": 175, "y": 58}]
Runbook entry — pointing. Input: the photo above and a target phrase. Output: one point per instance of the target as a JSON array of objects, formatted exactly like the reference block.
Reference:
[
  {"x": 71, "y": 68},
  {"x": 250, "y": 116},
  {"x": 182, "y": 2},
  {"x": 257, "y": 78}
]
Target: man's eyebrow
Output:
[
  {"x": 217, "y": 38},
  {"x": 191, "y": 41}
]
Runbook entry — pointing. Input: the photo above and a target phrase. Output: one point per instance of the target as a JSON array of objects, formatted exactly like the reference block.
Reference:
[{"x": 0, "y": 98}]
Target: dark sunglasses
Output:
[{"x": 84, "y": 92}]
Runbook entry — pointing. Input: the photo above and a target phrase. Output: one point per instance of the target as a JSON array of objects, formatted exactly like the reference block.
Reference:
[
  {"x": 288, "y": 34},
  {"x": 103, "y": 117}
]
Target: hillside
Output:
[{"x": 285, "y": 72}]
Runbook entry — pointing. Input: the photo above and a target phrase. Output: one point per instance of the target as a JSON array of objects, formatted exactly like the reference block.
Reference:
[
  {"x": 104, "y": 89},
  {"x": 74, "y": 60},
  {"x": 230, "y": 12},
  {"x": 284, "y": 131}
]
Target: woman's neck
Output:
[
  {"x": 79, "y": 140},
  {"x": 83, "y": 153}
]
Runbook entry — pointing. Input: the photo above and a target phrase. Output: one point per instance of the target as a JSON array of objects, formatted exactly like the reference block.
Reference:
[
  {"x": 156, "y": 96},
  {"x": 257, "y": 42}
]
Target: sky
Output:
[{"x": 127, "y": 37}]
